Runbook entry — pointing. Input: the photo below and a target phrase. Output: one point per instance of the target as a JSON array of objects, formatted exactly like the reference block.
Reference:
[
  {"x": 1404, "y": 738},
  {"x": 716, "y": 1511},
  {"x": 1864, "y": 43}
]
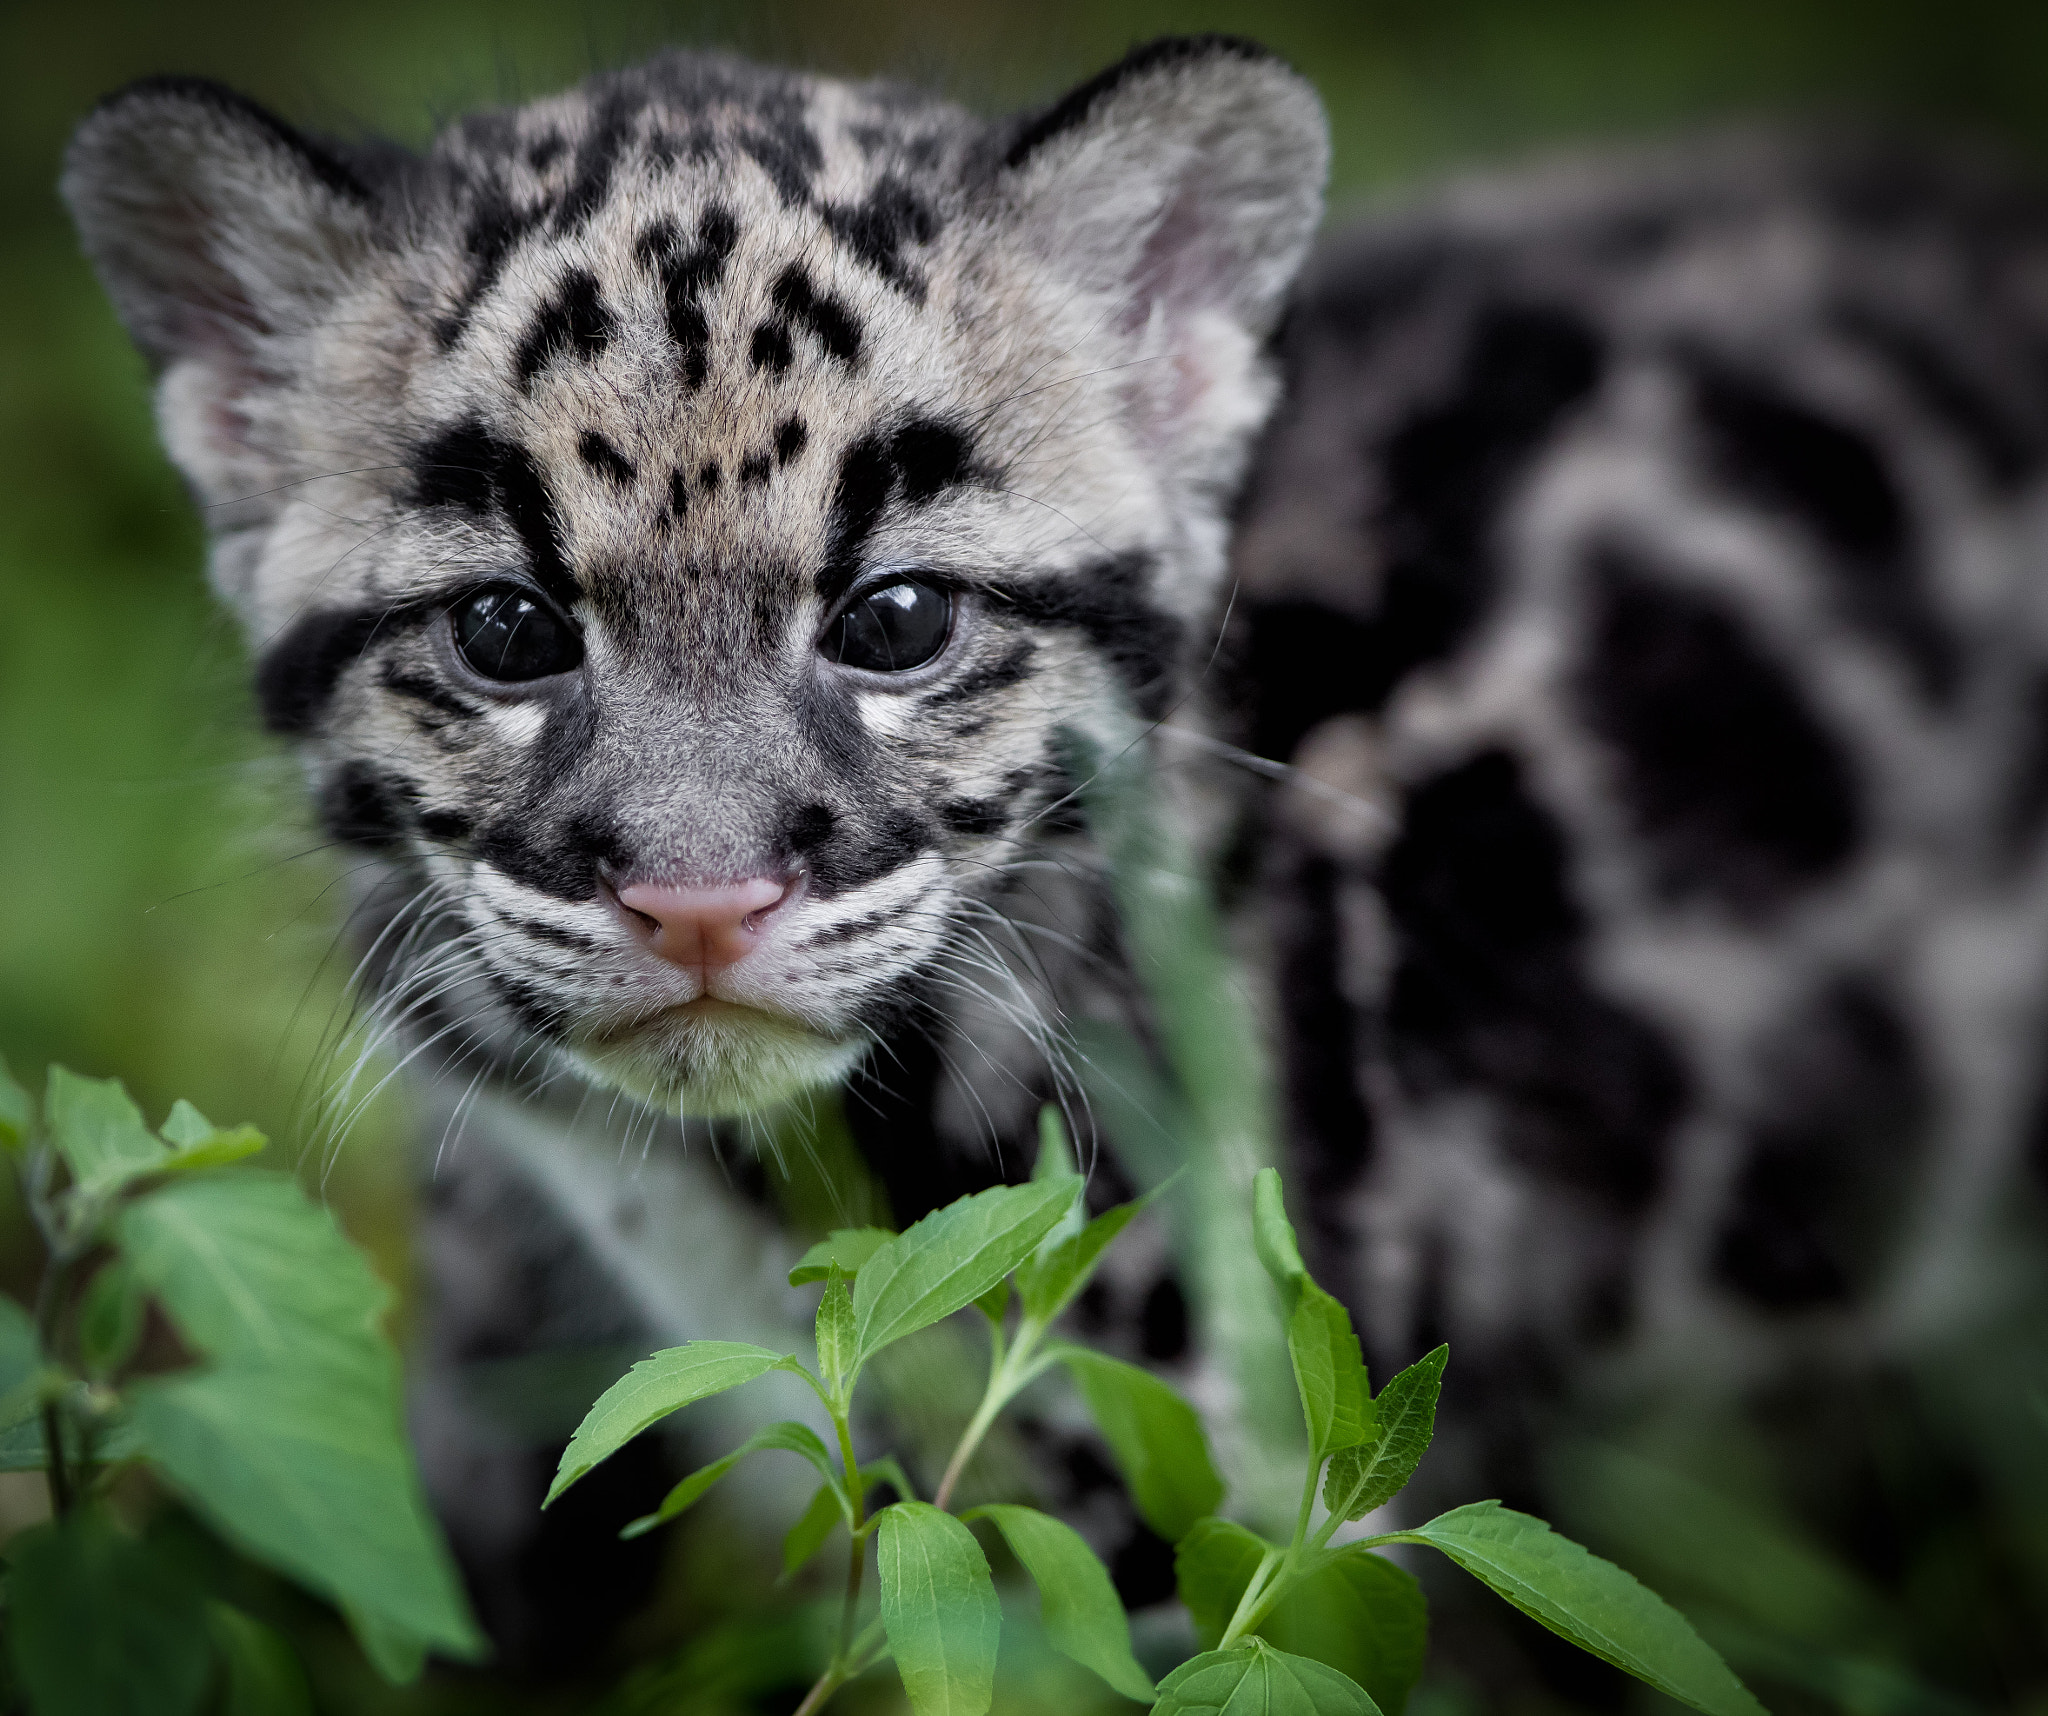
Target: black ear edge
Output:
[
  {"x": 1073, "y": 108},
  {"x": 230, "y": 104}
]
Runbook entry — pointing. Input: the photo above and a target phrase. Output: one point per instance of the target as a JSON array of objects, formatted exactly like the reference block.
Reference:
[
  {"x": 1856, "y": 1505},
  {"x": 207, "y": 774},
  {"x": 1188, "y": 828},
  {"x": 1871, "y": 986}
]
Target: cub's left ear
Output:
[
  {"x": 222, "y": 235},
  {"x": 1183, "y": 185}
]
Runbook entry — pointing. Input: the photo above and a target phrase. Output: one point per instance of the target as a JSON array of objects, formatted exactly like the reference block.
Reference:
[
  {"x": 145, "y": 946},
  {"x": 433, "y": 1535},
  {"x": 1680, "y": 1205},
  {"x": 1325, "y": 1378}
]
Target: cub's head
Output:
[{"x": 677, "y": 517}]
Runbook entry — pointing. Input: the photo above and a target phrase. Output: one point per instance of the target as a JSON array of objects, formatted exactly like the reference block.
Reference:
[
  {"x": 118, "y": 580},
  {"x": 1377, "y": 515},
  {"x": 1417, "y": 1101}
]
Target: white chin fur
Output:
[{"x": 711, "y": 1068}]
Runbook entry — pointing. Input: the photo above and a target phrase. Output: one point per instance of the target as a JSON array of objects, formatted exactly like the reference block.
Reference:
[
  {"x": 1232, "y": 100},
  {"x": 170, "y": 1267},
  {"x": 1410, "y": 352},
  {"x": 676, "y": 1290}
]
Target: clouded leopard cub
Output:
[{"x": 677, "y": 518}]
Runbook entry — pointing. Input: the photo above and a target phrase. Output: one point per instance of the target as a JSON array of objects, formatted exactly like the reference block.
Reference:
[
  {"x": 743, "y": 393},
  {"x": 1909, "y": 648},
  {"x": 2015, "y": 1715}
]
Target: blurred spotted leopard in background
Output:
[{"x": 676, "y": 519}]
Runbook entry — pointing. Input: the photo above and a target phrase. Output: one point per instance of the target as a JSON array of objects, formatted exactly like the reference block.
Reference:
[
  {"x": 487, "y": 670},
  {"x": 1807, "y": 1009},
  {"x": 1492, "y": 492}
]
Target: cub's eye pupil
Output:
[
  {"x": 891, "y": 630},
  {"x": 504, "y": 635}
]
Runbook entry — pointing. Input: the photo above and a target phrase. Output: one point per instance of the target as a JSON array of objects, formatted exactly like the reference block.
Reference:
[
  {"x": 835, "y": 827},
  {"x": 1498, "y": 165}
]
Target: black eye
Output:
[
  {"x": 505, "y": 635},
  {"x": 890, "y": 630}
]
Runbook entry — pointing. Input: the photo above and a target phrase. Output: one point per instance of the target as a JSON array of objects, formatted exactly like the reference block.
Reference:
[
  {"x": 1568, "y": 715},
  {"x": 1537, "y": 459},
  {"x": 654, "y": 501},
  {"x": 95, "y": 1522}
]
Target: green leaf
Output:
[
  {"x": 951, "y": 1258},
  {"x": 1591, "y": 1602},
  {"x": 197, "y": 1143},
  {"x": 1083, "y": 1617},
  {"x": 849, "y": 1247},
  {"x": 21, "y": 1362},
  {"x": 939, "y": 1610},
  {"x": 260, "y": 1675},
  {"x": 1155, "y": 1438},
  {"x": 1329, "y": 1370},
  {"x": 1363, "y": 1478},
  {"x": 1047, "y": 1284},
  {"x": 885, "y": 1470},
  {"x": 1273, "y": 1235},
  {"x": 17, "y": 1112},
  {"x": 1364, "y": 1617},
  {"x": 669, "y": 1380},
  {"x": 21, "y": 1443},
  {"x": 789, "y": 1436},
  {"x": 393, "y": 1652},
  {"x": 807, "y": 1536},
  {"x": 99, "y": 1132},
  {"x": 99, "y": 1625},
  {"x": 1055, "y": 1153},
  {"x": 109, "y": 1319},
  {"x": 291, "y": 1441},
  {"x": 1254, "y": 1679},
  {"x": 1212, "y": 1564},
  {"x": 835, "y": 1334},
  {"x": 994, "y": 1303}
]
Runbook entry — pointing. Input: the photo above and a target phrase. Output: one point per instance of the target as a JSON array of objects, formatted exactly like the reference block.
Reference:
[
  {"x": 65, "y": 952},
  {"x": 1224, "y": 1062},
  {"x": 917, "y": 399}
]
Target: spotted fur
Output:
[{"x": 1635, "y": 584}]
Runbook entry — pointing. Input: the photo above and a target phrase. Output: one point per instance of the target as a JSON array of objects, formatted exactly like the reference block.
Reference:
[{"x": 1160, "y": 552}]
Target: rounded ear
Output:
[
  {"x": 210, "y": 222},
  {"x": 1188, "y": 177}
]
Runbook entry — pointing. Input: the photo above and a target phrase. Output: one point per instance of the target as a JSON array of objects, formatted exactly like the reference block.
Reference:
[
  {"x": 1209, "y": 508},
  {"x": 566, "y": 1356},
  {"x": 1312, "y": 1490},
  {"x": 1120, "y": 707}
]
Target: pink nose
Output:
[{"x": 702, "y": 929}]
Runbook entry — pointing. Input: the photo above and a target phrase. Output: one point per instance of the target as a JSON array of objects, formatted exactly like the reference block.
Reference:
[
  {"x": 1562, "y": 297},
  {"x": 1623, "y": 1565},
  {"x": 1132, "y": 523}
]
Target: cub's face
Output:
[{"x": 677, "y": 518}]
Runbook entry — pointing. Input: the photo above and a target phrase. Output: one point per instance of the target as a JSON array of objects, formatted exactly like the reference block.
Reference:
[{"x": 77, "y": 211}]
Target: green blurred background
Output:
[{"x": 165, "y": 913}]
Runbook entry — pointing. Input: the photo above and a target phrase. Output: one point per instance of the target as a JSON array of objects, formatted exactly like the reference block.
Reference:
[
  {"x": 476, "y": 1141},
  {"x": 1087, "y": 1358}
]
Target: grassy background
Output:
[{"x": 164, "y": 913}]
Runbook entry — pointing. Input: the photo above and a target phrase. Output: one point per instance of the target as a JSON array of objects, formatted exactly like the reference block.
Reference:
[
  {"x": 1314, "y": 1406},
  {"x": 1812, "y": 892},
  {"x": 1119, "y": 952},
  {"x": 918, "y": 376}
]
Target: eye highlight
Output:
[
  {"x": 890, "y": 629},
  {"x": 506, "y": 635}
]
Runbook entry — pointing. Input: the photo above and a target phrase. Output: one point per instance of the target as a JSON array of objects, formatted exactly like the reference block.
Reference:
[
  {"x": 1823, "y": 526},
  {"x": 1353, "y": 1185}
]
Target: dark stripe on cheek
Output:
[
  {"x": 1007, "y": 669},
  {"x": 428, "y": 691},
  {"x": 975, "y": 816},
  {"x": 364, "y": 806},
  {"x": 1108, "y": 603},
  {"x": 297, "y": 674},
  {"x": 532, "y": 1006}
]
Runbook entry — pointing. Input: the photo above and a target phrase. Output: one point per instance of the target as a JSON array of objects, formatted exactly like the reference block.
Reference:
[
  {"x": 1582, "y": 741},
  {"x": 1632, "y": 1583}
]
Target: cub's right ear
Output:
[{"x": 221, "y": 235}]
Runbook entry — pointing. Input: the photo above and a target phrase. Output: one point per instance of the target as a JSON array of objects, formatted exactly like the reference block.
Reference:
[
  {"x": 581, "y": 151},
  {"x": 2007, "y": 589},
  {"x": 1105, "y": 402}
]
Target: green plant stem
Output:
[
  {"x": 1009, "y": 1372},
  {"x": 60, "y": 1255},
  {"x": 846, "y": 1649}
]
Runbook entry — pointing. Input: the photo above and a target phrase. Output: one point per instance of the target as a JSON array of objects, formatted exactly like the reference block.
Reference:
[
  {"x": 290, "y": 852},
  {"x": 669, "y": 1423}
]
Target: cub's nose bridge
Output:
[{"x": 703, "y": 928}]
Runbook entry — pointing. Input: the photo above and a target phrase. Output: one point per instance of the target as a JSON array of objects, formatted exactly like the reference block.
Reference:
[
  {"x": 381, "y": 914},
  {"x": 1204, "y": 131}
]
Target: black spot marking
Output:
[
  {"x": 544, "y": 152},
  {"x": 535, "y": 1009},
  {"x": 1488, "y": 991},
  {"x": 789, "y": 155},
  {"x": 770, "y": 349},
  {"x": 610, "y": 129},
  {"x": 1834, "y": 482},
  {"x": 1966, "y": 403},
  {"x": 558, "y": 859},
  {"x": 448, "y": 825},
  {"x": 918, "y": 460},
  {"x": 878, "y": 228},
  {"x": 1007, "y": 669},
  {"x": 541, "y": 930},
  {"x": 605, "y": 459},
  {"x": 364, "y": 806},
  {"x": 1110, "y": 604},
  {"x": 573, "y": 323},
  {"x": 468, "y": 467},
  {"x": 810, "y": 827},
  {"x": 678, "y": 494},
  {"x": 709, "y": 477},
  {"x": 1847, "y": 1106},
  {"x": 687, "y": 278},
  {"x": 496, "y": 225},
  {"x": 804, "y": 306},
  {"x": 1071, "y": 111},
  {"x": 1741, "y": 794},
  {"x": 523, "y": 494},
  {"x": 754, "y": 468},
  {"x": 974, "y": 816},
  {"x": 790, "y": 439},
  {"x": 297, "y": 673}
]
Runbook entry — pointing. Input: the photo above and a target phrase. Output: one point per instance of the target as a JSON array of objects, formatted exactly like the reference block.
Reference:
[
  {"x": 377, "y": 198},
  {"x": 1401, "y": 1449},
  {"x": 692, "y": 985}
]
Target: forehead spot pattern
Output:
[{"x": 573, "y": 323}]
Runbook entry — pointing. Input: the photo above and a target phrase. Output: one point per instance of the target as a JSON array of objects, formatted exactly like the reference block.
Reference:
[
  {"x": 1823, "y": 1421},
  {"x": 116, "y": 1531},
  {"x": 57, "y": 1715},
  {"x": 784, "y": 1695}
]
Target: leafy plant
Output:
[
  {"x": 202, "y": 1319},
  {"x": 1311, "y": 1626}
]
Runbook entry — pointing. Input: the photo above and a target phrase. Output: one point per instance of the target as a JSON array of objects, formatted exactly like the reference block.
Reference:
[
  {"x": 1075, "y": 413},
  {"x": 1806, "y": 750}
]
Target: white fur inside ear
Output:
[{"x": 205, "y": 408}]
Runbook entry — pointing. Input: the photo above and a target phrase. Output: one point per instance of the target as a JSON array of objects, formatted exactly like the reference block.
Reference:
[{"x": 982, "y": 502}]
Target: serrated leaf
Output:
[
  {"x": 788, "y": 1436},
  {"x": 99, "y": 1132},
  {"x": 1591, "y": 1602},
  {"x": 1329, "y": 1371},
  {"x": 663, "y": 1383},
  {"x": 807, "y": 1536},
  {"x": 1155, "y": 1437},
  {"x": 1082, "y": 1615},
  {"x": 291, "y": 1440},
  {"x": 197, "y": 1143},
  {"x": 939, "y": 1610},
  {"x": 834, "y": 1330},
  {"x": 1273, "y": 1235},
  {"x": 109, "y": 1319},
  {"x": 99, "y": 1625},
  {"x": 849, "y": 1247},
  {"x": 17, "y": 1112},
  {"x": 1363, "y": 1478},
  {"x": 1213, "y": 1563},
  {"x": 1047, "y": 1284},
  {"x": 260, "y": 1675},
  {"x": 1254, "y": 1679},
  {"x": 1364, "y": 1617},
  {"x": 952, "y": 1257}
]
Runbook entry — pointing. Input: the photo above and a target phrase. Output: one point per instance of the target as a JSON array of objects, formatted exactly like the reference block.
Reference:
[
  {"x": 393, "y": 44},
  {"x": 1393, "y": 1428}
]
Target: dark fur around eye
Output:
[
  {"x": 891, "y": 629},
  {"x": 507, "y": 635}
]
